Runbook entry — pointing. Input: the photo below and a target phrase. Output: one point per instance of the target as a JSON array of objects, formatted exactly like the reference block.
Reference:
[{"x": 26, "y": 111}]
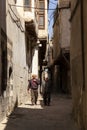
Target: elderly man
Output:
[{"x": 33, "y": 87}]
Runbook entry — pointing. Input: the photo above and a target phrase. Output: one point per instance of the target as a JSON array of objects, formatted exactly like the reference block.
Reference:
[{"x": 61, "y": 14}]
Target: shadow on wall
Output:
[{"x": 3, "y": 42}]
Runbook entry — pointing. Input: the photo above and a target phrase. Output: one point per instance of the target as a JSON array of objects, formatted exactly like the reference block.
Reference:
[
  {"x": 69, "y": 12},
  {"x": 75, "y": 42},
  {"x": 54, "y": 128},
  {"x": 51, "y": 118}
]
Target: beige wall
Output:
[
  {"x": 17, "y": 38},
  {"x": 13, "y": 26},
  {"x": 17, "y": 83}
]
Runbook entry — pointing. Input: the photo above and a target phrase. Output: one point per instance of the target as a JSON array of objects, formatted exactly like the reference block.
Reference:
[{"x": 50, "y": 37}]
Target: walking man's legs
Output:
[
  {"x": 48, "y": 98},
  {"x": 45, "y": 98},
  {"x": 32, "y": 97},
  {"x": 36, "y": 96}
]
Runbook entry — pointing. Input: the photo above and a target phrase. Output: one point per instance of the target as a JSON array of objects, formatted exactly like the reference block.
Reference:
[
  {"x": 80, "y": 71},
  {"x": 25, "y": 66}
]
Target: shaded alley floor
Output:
[{"x": 39, "y": 117}]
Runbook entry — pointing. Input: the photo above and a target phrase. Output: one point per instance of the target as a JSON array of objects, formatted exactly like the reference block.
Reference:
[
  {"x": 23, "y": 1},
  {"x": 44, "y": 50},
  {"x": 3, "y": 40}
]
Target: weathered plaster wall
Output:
[
  {"x": 78, "y": 63},
  {"x": 13, "y": 36}
]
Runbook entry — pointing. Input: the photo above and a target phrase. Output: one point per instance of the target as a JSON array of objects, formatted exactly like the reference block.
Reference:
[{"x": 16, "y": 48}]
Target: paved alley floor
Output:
[{"x": 39, "y": 117}]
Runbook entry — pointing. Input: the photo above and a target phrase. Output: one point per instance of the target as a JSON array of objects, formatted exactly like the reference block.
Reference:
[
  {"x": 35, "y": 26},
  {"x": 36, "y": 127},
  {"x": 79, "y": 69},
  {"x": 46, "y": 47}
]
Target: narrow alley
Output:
[
  {"x": 39, "y": 117},
  {"x": 43, "y": 49}
]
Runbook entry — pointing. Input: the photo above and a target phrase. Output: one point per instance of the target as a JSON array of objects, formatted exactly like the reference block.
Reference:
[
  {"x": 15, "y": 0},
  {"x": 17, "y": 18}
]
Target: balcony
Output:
[{"x": 30, "y": 17}]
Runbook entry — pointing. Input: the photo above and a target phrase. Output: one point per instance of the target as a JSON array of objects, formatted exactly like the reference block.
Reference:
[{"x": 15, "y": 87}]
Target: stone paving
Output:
[{"x": 39, "y": 117}]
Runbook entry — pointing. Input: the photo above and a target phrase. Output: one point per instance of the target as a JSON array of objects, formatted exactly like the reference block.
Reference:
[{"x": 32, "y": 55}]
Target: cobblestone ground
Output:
[{"x": 39, "y": 117}]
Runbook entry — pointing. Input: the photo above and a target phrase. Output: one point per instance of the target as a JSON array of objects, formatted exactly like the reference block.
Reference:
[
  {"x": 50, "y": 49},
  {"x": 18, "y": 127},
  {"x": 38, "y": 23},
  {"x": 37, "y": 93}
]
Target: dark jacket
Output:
[
  {"x": 33, "y": 84},
  {"x": 46, "y": 86}
]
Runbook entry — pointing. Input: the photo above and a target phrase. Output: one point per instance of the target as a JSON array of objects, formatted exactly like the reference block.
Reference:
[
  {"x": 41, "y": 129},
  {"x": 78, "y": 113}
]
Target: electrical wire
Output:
[
  {"x": 34, "y": 8},
  {"x": 52, "y": 3},
  {"x": 51, "y": 15},
  {"x": 17, "y": 20},
  {"x": 25, "y": 6}
]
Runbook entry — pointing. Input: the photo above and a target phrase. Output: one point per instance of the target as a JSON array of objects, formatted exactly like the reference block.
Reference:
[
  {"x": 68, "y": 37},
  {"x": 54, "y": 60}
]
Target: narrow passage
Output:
[{"x": 39, "y": 117}]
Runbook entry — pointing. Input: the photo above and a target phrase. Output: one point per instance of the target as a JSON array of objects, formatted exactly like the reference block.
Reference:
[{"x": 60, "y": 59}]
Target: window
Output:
[
  {"x": 27, "y": 4},
  {"x": 41, "y": 21},
  {"x": 41, "y": 14},
  {"x": 41, "y": 5}
]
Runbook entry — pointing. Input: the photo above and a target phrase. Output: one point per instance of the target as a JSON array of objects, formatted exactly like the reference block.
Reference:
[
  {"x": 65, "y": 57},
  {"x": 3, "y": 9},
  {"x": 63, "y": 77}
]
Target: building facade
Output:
[
  {"x": 42, "y": 32},
  {"x": 79, "y": 61},
  {"x": 61, "y": 47},
  {"x": 13, "y": 68},
  {"x": 19, "y": 50}
]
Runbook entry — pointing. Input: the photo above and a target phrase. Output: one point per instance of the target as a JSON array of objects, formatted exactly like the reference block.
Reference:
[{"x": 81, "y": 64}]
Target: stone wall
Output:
[
  {"x": 85, "y": 56},
  {"x": 79, "y": 61},
  {"x": 61, "y": 45},
  {"x": 14, "y": 74}
]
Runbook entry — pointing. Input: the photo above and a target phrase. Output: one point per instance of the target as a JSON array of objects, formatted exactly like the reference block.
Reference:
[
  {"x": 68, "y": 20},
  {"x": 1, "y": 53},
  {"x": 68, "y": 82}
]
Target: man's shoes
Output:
[
  {"x": 48, "y": 104},
  {"x": 35, "y": 102},
  {"x": 45, "y": 104},
  {"x": 32, "y": 103}
]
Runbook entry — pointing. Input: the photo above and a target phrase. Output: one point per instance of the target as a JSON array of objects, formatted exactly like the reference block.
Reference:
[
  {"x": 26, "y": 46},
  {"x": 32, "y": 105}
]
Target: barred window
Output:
[
  {"x": 27, "y": 5},
  {"x": 41, "y": 5},
  {"x": 41, "y": 21},
  {"x": 41, "y": 14}
]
